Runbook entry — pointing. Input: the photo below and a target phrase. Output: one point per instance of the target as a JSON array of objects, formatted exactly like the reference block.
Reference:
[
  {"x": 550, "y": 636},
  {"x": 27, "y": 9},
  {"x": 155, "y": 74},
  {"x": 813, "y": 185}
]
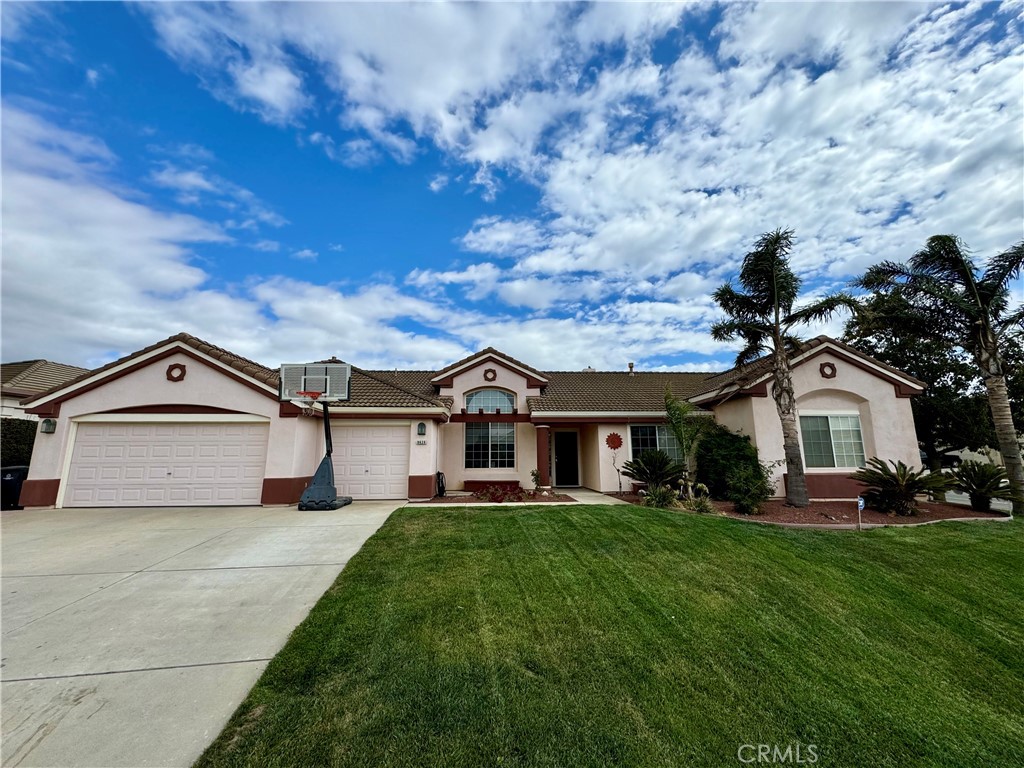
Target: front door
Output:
[{"x": 567, "y": 459}]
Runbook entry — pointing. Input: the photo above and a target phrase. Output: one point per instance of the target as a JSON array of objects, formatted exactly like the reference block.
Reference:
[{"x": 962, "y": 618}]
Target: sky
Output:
[{"x": 400, "y": 185}]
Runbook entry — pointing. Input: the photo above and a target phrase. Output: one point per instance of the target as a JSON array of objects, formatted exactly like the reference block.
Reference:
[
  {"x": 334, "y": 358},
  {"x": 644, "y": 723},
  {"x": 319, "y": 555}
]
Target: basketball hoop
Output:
[{"x": 312, "y": 397}]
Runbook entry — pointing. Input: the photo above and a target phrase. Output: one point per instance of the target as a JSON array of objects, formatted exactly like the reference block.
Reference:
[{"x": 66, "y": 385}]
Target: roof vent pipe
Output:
[
  {"x": 630, "y": 369},
  {"x": 588, "y": 369}
]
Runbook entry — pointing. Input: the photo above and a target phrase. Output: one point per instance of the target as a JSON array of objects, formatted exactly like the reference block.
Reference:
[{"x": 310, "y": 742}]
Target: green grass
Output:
[{"x": 564, "y": 636}]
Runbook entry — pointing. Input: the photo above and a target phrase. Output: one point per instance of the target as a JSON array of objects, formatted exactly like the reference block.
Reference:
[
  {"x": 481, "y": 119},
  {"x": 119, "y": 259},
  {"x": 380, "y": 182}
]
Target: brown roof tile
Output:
[
  {"x": 34, "y": 376},
  {"x": 482, "y": 353},
  {"x": 744, "y": 375},
  {"x": 612, "y": 391}
]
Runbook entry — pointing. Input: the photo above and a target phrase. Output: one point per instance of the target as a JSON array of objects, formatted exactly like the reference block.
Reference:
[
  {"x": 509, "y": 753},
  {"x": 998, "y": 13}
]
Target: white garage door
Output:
[
  {"x": 167, "y": 465},
  {"x": 371, "y": 462}
]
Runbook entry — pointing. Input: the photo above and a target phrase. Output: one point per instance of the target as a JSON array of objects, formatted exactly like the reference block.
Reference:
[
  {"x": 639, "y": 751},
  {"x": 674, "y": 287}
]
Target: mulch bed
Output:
[
  {"x": 838, "y": 512},
  {"x": 845, "y": 513},
  {"x": 529, "y": 497}
]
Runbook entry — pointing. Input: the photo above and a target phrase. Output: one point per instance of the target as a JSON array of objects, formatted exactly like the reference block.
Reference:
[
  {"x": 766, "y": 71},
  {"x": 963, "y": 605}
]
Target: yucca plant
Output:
[
  {"x": 894, "y": 490},
  {"x": 654, "y": 467},
  {"x": 660, "y": 496},
  {"x": 982, "y": 482}
]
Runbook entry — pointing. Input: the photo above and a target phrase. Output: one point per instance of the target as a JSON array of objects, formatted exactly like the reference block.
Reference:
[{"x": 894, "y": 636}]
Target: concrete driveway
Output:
[{"x": 129, "y": 636}]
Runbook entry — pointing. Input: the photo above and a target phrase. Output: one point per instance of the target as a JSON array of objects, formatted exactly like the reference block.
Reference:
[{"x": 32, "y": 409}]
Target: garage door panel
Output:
[
  {"x": 167, "y": 464},
  {"x": 371, "y": 462}
]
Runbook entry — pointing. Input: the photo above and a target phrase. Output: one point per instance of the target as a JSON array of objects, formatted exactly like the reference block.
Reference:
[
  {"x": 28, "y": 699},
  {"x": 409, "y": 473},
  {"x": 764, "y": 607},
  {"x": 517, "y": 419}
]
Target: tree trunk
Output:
[
  {"x": 785, "y": 403},
  {"x": 999, "y": 403}
]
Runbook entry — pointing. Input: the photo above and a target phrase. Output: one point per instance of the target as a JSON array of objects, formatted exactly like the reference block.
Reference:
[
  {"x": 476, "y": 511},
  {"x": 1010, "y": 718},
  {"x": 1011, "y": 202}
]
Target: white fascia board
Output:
[
  {"x": 142, "y": 359},
  {"x": 698, "y": 399},
  {"x": 476, "y": 361}
]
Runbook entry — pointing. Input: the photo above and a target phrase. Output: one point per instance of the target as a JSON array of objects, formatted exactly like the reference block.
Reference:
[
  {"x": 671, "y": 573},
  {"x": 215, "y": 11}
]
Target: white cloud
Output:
[
  {"x": 92, "y": 77},
  {"x": 438, "y": 183},
  {"x": 196, "y": 185},
  {"x": 267, "y": 246},
  {"x": 306, "y": 254}
]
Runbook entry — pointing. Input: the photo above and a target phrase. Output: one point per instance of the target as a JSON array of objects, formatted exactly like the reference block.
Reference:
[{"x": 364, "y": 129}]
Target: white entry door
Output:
[
  {"x": 371, "y": 462},
  {"x": 167, "y": 465}
]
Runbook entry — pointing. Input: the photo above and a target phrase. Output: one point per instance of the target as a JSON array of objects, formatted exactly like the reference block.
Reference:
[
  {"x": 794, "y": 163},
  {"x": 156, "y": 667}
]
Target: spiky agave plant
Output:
[
  {"x": 654, "y": 467},
  {"x": 983, "y": 482},
  {"x": 894, "y": 490}
]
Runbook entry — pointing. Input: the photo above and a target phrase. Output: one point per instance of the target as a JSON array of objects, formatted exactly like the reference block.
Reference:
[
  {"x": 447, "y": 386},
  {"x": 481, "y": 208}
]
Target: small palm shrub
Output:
[
  {"x": 894, "y": 490},
  {"x": 749, "y": 486},
  {"x": 700, "y": 504},
  {"x": 661, "y": 496},
  {"x": 656, "y": 468},
  {"x": 982, "y": 482}
]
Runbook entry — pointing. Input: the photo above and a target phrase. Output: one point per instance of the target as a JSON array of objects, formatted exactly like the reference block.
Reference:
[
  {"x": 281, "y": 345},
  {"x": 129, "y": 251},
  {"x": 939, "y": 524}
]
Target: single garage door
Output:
[
  {"x": 167, "y": 465},
  {"x": 371, "y": 462}
]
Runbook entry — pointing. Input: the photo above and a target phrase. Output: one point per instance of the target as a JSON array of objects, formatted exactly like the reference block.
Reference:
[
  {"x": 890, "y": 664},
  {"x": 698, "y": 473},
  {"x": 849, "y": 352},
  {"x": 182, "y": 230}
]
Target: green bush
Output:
[
  {"x": 982, "y": 482},
  {"x": 749, "y": 487},
  {"x": 895, "y": 490},
  {"x": 16, "y": 439},
  {"x": 718, "y": 452},
  {"x": 656, "y": 468},
  {"x": 661, "y": 496}
]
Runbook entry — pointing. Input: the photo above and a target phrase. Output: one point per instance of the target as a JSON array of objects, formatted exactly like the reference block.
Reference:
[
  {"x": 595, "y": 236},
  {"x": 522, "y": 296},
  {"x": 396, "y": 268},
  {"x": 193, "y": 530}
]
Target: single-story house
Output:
[
  {"x": 27, "y": 378},
  {"x": 184, "y": 422}
]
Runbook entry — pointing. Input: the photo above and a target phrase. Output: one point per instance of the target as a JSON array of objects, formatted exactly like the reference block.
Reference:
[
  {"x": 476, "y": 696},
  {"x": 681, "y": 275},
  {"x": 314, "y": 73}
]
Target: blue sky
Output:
[{"x": 402, "y": 184}]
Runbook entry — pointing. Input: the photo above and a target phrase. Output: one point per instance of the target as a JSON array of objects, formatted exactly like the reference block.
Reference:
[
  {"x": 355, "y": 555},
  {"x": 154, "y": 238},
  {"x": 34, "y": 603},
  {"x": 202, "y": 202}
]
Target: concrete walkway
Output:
[{"x": 131, "y": 635}]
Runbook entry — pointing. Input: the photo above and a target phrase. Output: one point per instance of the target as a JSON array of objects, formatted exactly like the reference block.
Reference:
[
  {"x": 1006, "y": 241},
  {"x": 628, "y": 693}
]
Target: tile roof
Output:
[
  {"x": 383, "y": 389},
  {"x": 744, "y": 375},
  {"x": 613, "y": 391},
  {"x": 250, "y": 368},
  {"x": 483, "y": 352},
  {"x": 31, "y": 377}
]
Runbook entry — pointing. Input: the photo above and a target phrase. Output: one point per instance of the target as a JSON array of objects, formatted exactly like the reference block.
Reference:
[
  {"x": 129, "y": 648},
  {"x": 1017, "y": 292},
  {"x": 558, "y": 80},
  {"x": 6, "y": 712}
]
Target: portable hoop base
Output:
[{"x": 321, "y": 494}]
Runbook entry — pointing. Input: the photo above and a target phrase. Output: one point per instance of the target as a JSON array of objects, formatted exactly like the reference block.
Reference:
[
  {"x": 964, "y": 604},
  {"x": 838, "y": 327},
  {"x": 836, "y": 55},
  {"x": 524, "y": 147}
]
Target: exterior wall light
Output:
[
  {"x": 421, "y": 428},
  {"x": 48, "y": 426}
]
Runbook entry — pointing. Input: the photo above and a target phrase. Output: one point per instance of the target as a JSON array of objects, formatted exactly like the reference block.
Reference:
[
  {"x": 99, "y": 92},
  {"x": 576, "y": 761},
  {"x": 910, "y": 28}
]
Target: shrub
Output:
[
  {"x": 535, "y": 476},
  {"x": 895, "y": 490},
  {"x": 982, "y": 482},
  {"x": 16, "y": 439},
  {"x": 661, "y": 496},
  {"x": 718, "y": 451},
  {"x": 701, "y": 505},
  {"x": 656, "y": 468},
  {"x": 749, "y": 487},
  {"x": 498, "y": 494}
]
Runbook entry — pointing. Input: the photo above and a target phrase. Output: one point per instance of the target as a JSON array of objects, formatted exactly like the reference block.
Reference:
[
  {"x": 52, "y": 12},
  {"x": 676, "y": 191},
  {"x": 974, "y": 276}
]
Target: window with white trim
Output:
[
  {"x": 490, "y": 446},
  {"x": 654, "y": 437},
  {"x": 832, "y": 441},
  {"x": 491, "y": 400}
]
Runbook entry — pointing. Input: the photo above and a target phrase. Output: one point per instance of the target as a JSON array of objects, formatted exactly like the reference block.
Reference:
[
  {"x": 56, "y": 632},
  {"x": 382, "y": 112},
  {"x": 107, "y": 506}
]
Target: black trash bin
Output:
[{"x": 11, "y": 479}]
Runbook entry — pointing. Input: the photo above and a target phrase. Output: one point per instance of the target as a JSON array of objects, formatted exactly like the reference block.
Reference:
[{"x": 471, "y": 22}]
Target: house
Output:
[
  {"x": 30, "y": 377},
  {"x": 184, "y": 422}
]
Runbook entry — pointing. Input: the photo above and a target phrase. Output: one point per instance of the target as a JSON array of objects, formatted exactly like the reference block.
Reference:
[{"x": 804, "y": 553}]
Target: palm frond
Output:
[
  {"x": 731, "y": 328},
  {"x": 739, "y": 305},
  {"x": 882, "y": 276},
  {"x": 947, "y": 258},
  {"x": 766, "y": 274},
  {"x": 1000, "y": 270},
  {"x": 822, "y": 309}
]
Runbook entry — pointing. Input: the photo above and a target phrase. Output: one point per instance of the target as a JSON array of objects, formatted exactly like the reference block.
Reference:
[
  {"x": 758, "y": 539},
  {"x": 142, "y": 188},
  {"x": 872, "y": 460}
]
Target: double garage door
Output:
[
  {"x": 165, "y": 465},
  {"x": 371, "y": 462}
]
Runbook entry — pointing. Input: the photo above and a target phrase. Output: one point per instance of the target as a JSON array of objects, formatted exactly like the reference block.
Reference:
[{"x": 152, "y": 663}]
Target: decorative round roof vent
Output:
[{"x": 827, "y": 370}]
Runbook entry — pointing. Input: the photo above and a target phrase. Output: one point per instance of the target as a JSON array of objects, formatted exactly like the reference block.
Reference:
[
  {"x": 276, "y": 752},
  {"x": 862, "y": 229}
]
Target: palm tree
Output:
[
  {"x": 764, "y": 319},
  {"x": 946, "y": 293}
]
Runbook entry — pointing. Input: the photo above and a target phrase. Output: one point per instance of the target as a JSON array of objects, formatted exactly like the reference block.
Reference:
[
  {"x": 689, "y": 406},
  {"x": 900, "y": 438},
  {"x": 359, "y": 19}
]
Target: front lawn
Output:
[{"x": 601, "y": 635}]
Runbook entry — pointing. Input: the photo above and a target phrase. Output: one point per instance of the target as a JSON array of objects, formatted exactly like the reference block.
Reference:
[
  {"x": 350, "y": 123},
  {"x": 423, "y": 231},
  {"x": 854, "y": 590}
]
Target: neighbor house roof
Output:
[
  {"x": 743, "y": 376},
  {"x": 31, "y": 377},
  {"x": 613, "y": 391}
]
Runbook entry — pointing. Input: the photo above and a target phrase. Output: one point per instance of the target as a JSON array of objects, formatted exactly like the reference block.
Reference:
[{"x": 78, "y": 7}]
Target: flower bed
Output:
[{"x": 498, "y": 495}]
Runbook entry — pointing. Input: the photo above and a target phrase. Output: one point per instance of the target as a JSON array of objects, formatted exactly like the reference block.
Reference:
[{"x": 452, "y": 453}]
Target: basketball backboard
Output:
[{"x": 331, "y": 380}]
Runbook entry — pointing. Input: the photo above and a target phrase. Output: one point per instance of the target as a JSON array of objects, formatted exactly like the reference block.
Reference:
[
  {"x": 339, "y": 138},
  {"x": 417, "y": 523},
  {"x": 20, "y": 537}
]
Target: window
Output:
[
  {"x": 654, "y": 438},
  {"x": 491, "y": 400},
  {"x": 832, "y": 441},
  {"x": 490, "y": 446}
]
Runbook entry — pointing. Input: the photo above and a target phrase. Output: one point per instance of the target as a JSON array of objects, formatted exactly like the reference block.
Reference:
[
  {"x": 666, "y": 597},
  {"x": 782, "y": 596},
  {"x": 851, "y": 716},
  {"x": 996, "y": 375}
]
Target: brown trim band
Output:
[
  {"x": 171, "y": 408},
  {"x": 421, "y": 486},
  {"x": 481, "y": 418},
  {"x": 283, "y": 490},
  {"x": 831, "y": 485},
  {"x": 39, "y": 493},
  {"x": 406, "y": 416},
  {"x": 539, "y": 419}
]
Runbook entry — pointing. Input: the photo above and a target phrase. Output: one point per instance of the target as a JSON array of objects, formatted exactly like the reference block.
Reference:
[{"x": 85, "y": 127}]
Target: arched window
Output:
[{"x": 491, "y": 400}]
